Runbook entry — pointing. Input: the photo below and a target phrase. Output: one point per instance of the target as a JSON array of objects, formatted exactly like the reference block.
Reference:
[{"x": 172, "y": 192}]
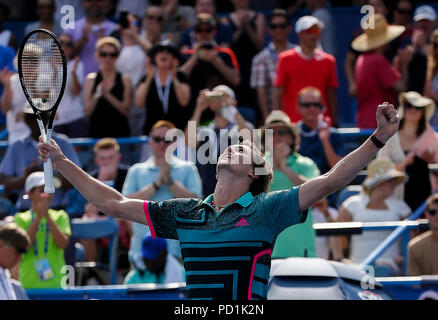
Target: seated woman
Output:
[
  {"x": 374, "y": 204},
  {"x": 413, "y": 147}
]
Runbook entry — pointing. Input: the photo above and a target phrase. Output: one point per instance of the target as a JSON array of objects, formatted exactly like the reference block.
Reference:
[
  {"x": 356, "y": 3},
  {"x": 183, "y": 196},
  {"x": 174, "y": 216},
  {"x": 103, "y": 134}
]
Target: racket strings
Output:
[{"x": 42, "y": 70}]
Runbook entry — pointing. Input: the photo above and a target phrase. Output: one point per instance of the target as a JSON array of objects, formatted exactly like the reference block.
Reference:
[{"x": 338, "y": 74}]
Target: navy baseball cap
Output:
[{"x": 151, "y": 247}]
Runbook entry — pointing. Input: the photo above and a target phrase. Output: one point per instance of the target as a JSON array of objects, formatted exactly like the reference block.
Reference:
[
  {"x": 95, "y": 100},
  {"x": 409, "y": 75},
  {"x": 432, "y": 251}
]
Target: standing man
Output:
[
  {"x": 49, "y": 233},
  {"x": 264, "y": 64},
  {"x": 14, "y": 242},
  {"x": 158, "y": 180},
  {"x": 306, "y": 65},
  {"x": 227, "y": 238}
]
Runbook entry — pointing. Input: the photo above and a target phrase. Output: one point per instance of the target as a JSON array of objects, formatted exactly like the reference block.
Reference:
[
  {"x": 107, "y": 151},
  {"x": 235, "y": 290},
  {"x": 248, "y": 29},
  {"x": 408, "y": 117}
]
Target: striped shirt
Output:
[
  {"x": 226, "y": 255},
  {"x": 264, "y": 68}
]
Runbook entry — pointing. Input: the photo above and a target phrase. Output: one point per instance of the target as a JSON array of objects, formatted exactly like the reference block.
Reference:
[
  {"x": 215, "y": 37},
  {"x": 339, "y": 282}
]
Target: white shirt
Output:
[
  {"x": 322, "y": 243},
  {"x": 362, "y": 245},
  {"x": 71, "y": 107},
  {"x": 6, "y": 290},
  {"x": 17, "y": 129}
]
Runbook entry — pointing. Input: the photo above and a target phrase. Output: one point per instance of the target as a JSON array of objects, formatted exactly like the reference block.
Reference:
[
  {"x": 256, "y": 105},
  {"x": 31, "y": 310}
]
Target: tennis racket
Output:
[{"x": 42, "y": 69}]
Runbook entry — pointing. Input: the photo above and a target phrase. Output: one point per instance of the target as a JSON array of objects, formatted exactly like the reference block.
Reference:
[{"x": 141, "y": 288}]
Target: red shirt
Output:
[
  {"x": 295, "y": 72},
  {"x": 374, "y": 79}
]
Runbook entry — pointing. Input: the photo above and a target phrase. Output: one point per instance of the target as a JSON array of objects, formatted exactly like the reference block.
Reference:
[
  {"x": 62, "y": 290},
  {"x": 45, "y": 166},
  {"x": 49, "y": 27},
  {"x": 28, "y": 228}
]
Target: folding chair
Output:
[{"x": 95, "y": 229}]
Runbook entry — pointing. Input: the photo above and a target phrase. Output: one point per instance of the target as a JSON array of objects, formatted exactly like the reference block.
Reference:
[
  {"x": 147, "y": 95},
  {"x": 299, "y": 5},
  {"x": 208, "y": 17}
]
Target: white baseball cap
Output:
[
  {"x": 307, "y": 22},
  {"x": 425, "y": 12},
  {"x": 225, "y": 89},
  {"x": 36, "y": 179}
]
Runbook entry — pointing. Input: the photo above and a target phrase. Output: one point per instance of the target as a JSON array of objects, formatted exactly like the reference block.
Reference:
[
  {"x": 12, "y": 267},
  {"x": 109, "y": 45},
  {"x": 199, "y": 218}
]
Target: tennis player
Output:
[{"x": 227, "y": 238}]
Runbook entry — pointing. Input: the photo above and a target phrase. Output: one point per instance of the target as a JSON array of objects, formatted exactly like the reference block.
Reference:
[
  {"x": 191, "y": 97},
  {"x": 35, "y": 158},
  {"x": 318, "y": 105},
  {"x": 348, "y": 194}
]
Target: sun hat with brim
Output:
[
  {"x": 165, "y": 45},
  {"x": 151, "y": 247},
  {"x": 381, "y": 170},
  {"x": 278, "y": 118},
  {"x": 417, "y": 100},
  {"x": 381, "y": 34},
  {"x": 36, "y": 179}
]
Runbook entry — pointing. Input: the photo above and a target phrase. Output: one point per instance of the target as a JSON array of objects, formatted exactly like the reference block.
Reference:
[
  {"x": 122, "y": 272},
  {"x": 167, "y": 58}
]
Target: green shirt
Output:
[
  {"x": 297, "y": 239},
  {"x": 55, "y": 255},
  {"x": 134, "y": 277}
]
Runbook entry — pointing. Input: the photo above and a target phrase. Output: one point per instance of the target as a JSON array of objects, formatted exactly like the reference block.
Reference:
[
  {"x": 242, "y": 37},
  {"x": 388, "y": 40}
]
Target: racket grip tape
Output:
[{"x": 48, "y": 169}]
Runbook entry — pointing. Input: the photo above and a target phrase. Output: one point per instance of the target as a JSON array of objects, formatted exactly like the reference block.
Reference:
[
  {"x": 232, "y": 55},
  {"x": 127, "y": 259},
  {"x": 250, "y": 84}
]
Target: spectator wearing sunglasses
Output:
[
  {"x": 14, "y": 242},
  {"x": 376, "y": 79},
  {"x": 319, "y": 141},
  {"x": 108, "y": 94},
  {"x": 413, "y": 147},
  {"x": 306, "y": 65},
  {"x": 208, "y": 65},
  {"x": 224, "y": 34},
  {"x": 422, "y": 250},
  {"x": 152, "y": 27},
  {"x": 264, "y": 64},
  {"x": 157, "y": 179}
]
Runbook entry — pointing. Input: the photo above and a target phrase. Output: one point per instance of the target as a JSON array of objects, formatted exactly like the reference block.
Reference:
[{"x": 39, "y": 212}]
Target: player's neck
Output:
[{"x": 228, "y": 189}]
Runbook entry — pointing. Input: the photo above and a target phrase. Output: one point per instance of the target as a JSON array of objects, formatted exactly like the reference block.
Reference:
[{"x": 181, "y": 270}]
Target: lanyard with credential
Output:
[
  {"x": 46, "y": 240},
  {"x": 163, "y": 94}
]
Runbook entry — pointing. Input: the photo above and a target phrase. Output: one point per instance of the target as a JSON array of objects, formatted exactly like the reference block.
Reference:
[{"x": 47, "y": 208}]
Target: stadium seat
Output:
[{"x": 95, "y": 229}]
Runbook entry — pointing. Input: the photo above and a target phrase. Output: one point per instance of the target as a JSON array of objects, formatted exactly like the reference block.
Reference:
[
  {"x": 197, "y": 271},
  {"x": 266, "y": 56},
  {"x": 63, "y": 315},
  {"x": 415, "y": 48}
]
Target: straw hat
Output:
[
  {"x": 381, "y": 170},
  {"x": 381, "y": 34},
  {"x": 417, "y": 100},
  {"x": 278, "y": 118}
]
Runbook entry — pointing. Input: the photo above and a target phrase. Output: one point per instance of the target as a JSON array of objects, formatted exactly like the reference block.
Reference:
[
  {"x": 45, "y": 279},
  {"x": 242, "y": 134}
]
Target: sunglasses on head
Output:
[
  {"x": 160, "y": 139},
  {"x": 152, "y": 17},
  {"x": 432, "y": 212},
  {"x": 309, "y": 104},
  {"x": 278, "y": 26},
  {"x": 408, "y": 106},
  {"x": 108, "y": 54}
]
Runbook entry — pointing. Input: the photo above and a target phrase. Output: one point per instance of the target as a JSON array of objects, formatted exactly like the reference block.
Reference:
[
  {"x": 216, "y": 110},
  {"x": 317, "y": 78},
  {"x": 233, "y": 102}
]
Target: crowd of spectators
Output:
[{"x": 178, "y": 66}]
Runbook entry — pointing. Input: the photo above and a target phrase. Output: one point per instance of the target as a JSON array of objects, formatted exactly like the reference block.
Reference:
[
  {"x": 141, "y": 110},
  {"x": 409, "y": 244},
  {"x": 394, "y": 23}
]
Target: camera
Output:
[{"x": 124, "y": 23}]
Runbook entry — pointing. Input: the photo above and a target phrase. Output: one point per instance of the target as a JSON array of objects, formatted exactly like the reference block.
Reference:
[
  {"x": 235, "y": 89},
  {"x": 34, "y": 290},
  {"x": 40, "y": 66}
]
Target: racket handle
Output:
[{"x": 48, "y": 169}]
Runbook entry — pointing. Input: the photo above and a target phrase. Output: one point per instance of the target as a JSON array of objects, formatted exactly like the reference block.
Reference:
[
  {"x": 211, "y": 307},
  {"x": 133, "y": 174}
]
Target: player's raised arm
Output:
[
  {"x": 105, "y": 198},
  {"x": 346, "y": 169}
]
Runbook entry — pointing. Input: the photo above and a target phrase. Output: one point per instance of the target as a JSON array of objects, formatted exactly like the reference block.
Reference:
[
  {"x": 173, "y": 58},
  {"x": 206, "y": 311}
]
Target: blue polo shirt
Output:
[{"x": 226, "y": 255}]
